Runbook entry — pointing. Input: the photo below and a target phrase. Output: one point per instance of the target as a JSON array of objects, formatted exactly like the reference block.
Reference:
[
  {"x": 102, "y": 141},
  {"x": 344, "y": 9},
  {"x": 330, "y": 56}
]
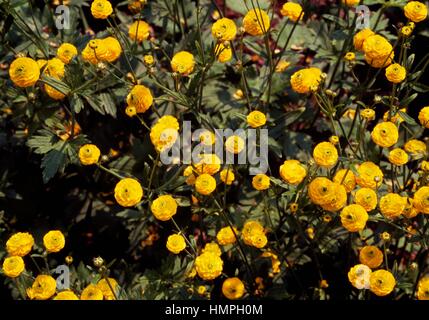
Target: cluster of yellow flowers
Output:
[{"x": 44, "y": 286}]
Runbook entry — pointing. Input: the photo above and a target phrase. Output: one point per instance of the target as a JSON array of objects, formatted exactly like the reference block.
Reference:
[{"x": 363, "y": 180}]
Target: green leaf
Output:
[
  {"x": 56, "y": 84},
  {"x": 53, "y": 161},
  {"x": 108, "y": 104},
  {"x": 407, "y": 118},
  {"x": 76, "y": 103},
  {"x": 405, "y": 102}
]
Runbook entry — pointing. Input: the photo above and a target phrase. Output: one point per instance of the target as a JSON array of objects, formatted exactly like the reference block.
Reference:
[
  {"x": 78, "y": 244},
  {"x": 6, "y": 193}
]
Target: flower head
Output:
[
  {"x": 224, "y": 29},
  {"x": 43, "y": 288},
  {"x": 139, "y": 31},
  {"x": 13, "y": 266},
  {"x": 382, "y": 282},
  {"x": 24, "y": 72},
  {"x": 128, "y": 192},
  {"x": 54, "y": 241},
  {"x": 20, "y": 244},
  {"x": 256, "y": 22},
  {"x": 176, "y": 243},
  {"x": 183, "y": 62},
  {"x": 293, "y": 172},
  {"x": 89, "y": 154},
  {"x": 101, "y": 9},
  {"x": 164, "y": 207},
  {"x": 233, "y": 288}
]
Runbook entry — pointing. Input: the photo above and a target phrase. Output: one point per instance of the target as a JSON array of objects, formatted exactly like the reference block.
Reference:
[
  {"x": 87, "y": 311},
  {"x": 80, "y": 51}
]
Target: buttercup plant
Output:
[{"x": 214, "y": 149}]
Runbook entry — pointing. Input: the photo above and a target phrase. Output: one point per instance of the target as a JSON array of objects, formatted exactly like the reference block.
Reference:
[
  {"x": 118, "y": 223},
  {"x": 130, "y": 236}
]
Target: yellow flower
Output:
[
  {"x": 233, "y": 288},
  {"x": 256, "y": 22},
  {"x": 360, "y": 37},
  {"x": 99, "y": 50},
  {"x": 24, "y": 72},
  {"x": 398, "y": 157},
  {"x": 261, "y": 182},
  {"x": 89, "y": 154},
  {"x": 367, "y": 198},
  {"x": 227, "y": 176},
  {"x": 396, "y": 73},
  {"x": 378, "y": 51},
  {"x": 282, "y": 65},
  {"x": 207, "y": 137},
  {"x": 140, "y": 97},
  {"x": 223, "y": 52},
  {"x": 212, "y": 247},
  {"x": 346, "y": 178},
  {"x": 201, "y": 290},
  {"x": 371, "y": 256},
  {"x": 149, "y": 59},
  {"x": 66, "y": 295},
  {"x": 250, "y": 228},
  {"x": 114, "y": 49},
  {"x": 349, "y": 114},
  {"x": 320, "y": 190},
  {"x": 139, "y": 31},
  {"x": 334, "y": 140},
  {"x": 324, "y": 284},
  {"x": 256, "y": 119},
  {"x": 385, "y": 236},
  {"x": 406, "y": 31},
  {"x": 189, "y": 173},
  {"x": 53, "y": 93},
  {"x": 13, "y": 266},
  {"x": 20, "y": 244},
  {"x": 416, "y": 147},
  {"x": 385, "y": 134},
  {"x": 164, "y": 207},
  {"x": 410, "y": 211},
  {"x": 41, "y": 63},
  {"x": 128, "y": 192},
  {"x": 208, "y": 265},
  {"x": 91, "y": 292},
  {"x": 292, "y": 171},
  {"x": 359, "y": 276},
  {"x": 382, "y": 282},
  {"x": 43, "y": 288},
  {"x": 354, "y": 217},
  {"x": 130, "y": 111},
  {"x": 424, "y": 117},
  {"x": 425, "y": 166},
  {"x": 54, "y": 68},
  {"x": 396, "y": 118},
  {"x": 325, "y": 154},
  {"x": 205, "y": 184},
  {"x": 292, "y": 10},
  {"x": 337, "y": 200},
  {"x": 224, "y": 29},
  {"x": 54, "y": 241},
  {"x": 421, "y": 200},
  {"x": 350, "y": 56},
  {"x": 183, "y": 62},
  {"x": 306, "y": 80},
  {"x": 257, "y": 240},
  {"x": 368, "y": 114},
  {"x": 254, "y": 235},
  {"x": 310, "y": 232},
  {"x": 392, "y": 205},
  {"x": 234, "y": 144},
  {"x": 369, "y": 175},
  {"x": 209, "y": 163},
  {"x": 350, "y": 3},
  {"x": 107, "y": 287},
  {"x": 101, "y": 9},
  {"x": 416, "y": 11},
  {"x": 423, "y": 289},
  {"x": 226, "y": 236},
  {"x": 176, "y": 243},
  {"x": 164, "y": 133},
  {"x": 239, "y": 94},
  {"x": 66, "y": 52}
]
